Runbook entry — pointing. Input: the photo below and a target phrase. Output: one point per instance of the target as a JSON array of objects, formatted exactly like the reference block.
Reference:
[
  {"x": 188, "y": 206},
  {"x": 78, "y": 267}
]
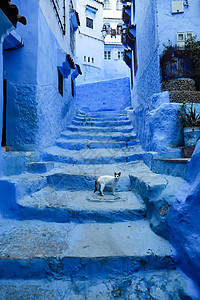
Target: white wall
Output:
[{"x": 90, "y": 42}]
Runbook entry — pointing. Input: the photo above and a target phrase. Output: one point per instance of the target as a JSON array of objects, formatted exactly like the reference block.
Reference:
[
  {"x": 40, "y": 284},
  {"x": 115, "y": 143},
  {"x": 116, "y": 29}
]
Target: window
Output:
[
  {"x": 89, "y": 23},
  {"x": 189, "y": 35},
  {"x": 107, "y": 54},
  {"x": 106, "y": 4},
  {"x": 182, "y": 37},
  {"x": 120, "y": 55},
  {"x": 60, "y": 83},
  {"x": 84, "y": 58},
  {"x": 92, "y": 59},
  {"x": 119, "y": 5},
  {"x": 88, "y": 59}
]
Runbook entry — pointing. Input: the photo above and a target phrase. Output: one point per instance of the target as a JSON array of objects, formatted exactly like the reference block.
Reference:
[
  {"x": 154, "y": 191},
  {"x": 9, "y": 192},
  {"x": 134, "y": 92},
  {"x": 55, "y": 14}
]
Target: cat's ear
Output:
[{"x": 119, "y": 173}]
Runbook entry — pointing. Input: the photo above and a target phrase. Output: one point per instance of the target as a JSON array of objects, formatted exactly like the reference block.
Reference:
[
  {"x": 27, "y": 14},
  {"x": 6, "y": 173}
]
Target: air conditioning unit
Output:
[{"x": 177, "y": 7}]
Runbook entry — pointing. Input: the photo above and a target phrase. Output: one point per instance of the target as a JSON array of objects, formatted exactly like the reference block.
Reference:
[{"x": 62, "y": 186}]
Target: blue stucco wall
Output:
[
  {"x": 36, "y": 112},
  {"x": 104, "y": 95},
  {"x": 147, "y": 79},
  {"x": 54, "y": 112},
  {"x": 115, "y": 68},
  {"x": 156, "y": 123},
  {"x": 184, "y": 220},
  {"x": 20, "y": 71},
  {"x": 170, "y": 24}
]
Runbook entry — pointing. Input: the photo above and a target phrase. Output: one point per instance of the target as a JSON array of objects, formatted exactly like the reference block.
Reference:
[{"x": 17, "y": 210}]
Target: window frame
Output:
[{"x": 89, "y": 22}]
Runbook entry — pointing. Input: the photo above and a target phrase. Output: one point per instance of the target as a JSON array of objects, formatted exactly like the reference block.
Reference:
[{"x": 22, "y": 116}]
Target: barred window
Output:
[
  {"x": 120, "y": 55},
  {"x": 119, "y": 5},
  {"x": 89, "y": 23},
  {"x": 106, "y": 4},
  {"x": 107, "y": 54}
]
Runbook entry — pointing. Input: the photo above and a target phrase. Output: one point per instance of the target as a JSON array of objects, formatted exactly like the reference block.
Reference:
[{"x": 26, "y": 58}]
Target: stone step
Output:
[
  {"x": 98, "y": 119},
  {"x": 121, "y": 129},
  {"x": 163, "y": 285},
  {"x": 36, "y": 250},
  {"x": 99, "y": 136},
  {"x": 103, "y": 114},
  {"x": 170, "y": 166},
  {"x": 102, "y": 123},
  {"x": 78, "y": 144},
  {"x": 80, "y": 181},
  {"x": 63, "y": 206},
  {"x": 147, "y": 183},
  {"x": 40, "y": 167},
  {"x": 92, "y": 156}
]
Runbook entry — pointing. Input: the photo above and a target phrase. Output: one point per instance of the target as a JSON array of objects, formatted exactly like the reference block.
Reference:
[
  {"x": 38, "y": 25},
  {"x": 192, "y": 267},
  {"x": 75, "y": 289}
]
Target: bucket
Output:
[{"x": 191, "y": 135}]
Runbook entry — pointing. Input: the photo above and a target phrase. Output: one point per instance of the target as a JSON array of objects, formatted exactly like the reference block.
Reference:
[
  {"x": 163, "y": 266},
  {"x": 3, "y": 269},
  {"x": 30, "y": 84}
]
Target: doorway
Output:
[{"x": 3, "y": 142}]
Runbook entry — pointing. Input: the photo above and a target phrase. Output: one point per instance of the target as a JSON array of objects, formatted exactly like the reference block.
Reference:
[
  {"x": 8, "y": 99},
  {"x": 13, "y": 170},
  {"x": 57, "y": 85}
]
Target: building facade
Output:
[
  {"x": 90, "y": 41},
  {"x": 39, "y": 75},
  {"x": 113, "y": 47},
  {"x": 149, "y": 26}
]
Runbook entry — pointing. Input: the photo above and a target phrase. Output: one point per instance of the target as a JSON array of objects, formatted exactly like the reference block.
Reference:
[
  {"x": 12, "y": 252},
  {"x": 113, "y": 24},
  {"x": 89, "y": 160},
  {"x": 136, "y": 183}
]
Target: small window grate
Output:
[{"x": 89, "y": 23}]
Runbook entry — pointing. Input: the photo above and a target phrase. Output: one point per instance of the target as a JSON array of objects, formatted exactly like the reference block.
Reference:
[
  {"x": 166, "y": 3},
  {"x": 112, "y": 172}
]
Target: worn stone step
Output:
[
  {"x": 98, "y": 119},
  {"x": 80, "y": 206},
  {"x": 170, "y": 166},
  {"x": 163, "y": 285},
  {"x": 78, "y": 144},
  {"x": 103, "y": 114},
  {"x": 102, "y": 123},
  {"x": 92, "y": 156},
  {"x": 39, "y": 167},
  {"x": 121, "y": 129},
  {"x": 147, "y": 183},
  {"x": 99, "y": 136},
  {"x": 36, "y": 250}
]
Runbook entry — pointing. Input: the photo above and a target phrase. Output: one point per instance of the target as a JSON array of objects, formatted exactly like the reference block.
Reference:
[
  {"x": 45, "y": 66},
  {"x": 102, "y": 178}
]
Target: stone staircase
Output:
[{"x": 59, "y": 240}]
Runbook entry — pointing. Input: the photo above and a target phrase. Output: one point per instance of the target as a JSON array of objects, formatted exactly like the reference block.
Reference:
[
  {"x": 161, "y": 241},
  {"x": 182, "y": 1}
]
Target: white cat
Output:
[{"x": 102, "y": 181}]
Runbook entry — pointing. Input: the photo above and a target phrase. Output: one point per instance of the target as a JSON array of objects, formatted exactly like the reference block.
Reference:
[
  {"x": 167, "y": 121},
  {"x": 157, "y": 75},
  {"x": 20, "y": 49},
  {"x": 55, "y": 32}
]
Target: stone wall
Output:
[{"x": 179, "y": 84}]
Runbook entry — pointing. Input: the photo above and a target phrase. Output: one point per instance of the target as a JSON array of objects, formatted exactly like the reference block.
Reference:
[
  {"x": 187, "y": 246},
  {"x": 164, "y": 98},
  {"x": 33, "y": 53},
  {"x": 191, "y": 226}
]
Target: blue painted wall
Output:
[
  {"x": 155, "y": 24},
  {"x": 147, "y": 79},
  {"x": 54, "y": 112},
  {"x": 36, "y": 112},
  {"x": 115, "y": 68},
  {"x": 184, "y": 220},
  {"x": 104, "y": 95},
  {"x": 170, "y": 24}
]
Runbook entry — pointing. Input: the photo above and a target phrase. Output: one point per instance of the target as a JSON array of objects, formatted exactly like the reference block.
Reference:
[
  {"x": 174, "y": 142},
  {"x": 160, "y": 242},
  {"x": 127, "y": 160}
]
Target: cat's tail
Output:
[{"x": 96, "y": 184}]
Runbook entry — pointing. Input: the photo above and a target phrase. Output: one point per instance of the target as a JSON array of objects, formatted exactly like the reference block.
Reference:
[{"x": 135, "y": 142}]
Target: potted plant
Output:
[{"x": 190, "y": 122}]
